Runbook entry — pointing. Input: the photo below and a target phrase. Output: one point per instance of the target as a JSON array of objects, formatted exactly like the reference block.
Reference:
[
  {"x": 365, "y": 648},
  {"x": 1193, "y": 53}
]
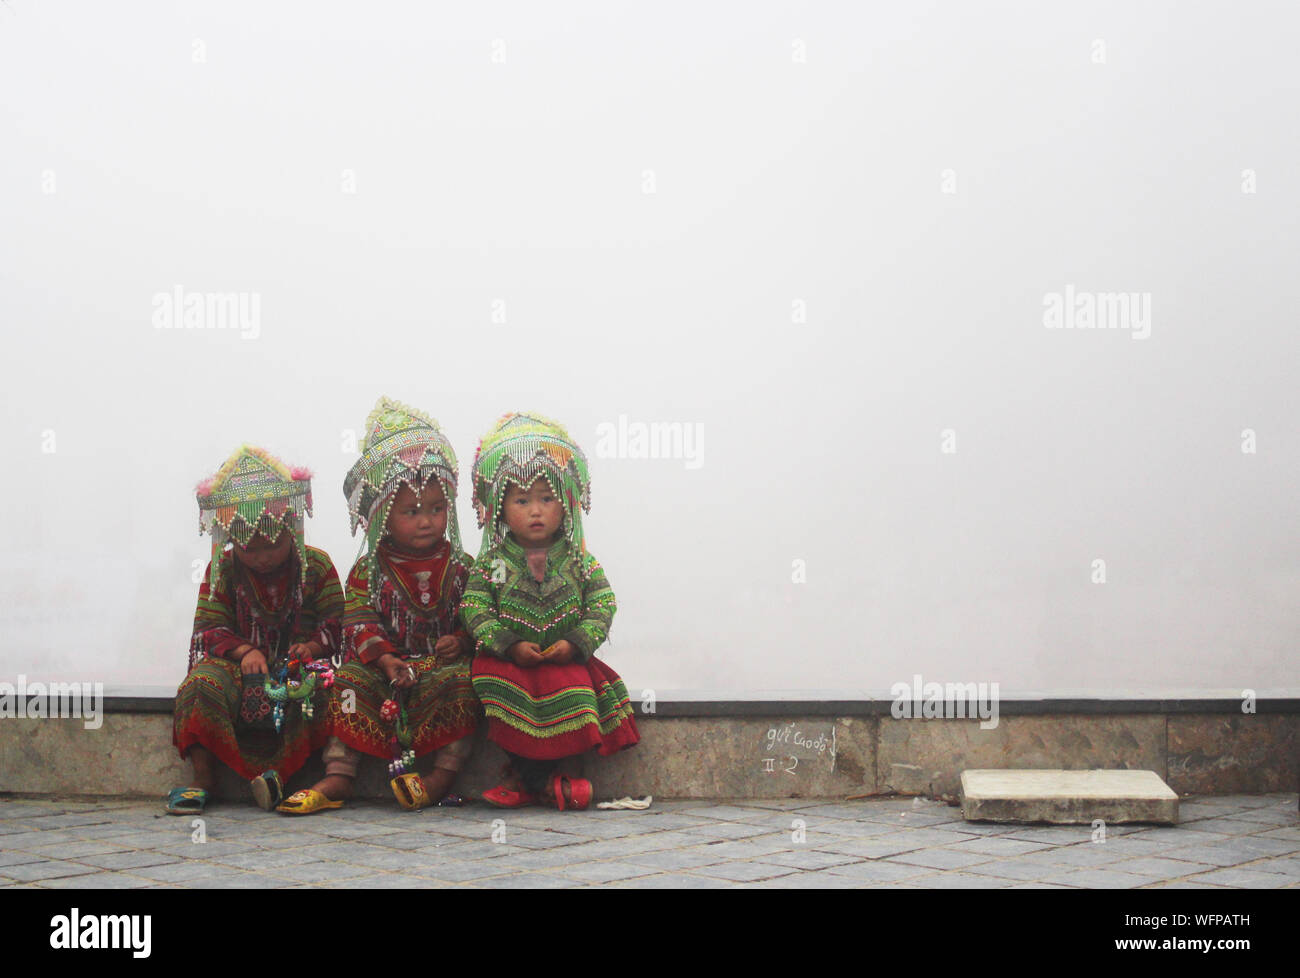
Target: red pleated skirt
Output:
[{"x": 554, "y": 711}]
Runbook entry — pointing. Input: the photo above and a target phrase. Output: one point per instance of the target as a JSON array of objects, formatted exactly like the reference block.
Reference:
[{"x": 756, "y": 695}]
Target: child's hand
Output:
[
  {"x": 398, "y": 672},
  {"x": 560, "y": 654},
  {"x": 305, "y": 651},
  {"x": 253, "y": 662},
  {"x": 448, "y": 647},
  {"x": 525, "y": 654}
]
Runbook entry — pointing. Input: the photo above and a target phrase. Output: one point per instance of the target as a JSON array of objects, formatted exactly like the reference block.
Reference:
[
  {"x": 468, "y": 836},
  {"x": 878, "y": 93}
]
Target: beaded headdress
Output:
[
  {"x": 519, "y": 449},
  {"x": 402, "y": 446},
  {"x": 254, "y": 492}
]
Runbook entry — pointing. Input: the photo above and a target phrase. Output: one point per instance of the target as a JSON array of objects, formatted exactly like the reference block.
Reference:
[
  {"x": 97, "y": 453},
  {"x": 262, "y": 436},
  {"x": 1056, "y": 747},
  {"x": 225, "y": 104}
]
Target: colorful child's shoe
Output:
[
  {"x": 307, "y": 802},
  {"x": 503, "y": 797},
  {"x": 579, "y": 792},
  {"x": 268, "y": 790},
  {"x": 186, "y": 801},
  {"x": 410, "y": 792}
]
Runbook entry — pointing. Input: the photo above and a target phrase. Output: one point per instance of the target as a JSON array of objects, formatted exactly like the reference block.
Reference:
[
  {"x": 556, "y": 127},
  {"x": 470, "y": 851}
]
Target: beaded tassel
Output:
[{"x": 394, "y": 712}]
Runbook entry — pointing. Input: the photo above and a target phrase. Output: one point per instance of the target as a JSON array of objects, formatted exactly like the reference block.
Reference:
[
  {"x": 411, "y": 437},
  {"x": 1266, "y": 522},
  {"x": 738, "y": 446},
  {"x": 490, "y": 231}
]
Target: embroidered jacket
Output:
[
  {"x": 414, "y": 605},
  {"x": 504, "y": 603},
  {"x": 269, "y": 611}
]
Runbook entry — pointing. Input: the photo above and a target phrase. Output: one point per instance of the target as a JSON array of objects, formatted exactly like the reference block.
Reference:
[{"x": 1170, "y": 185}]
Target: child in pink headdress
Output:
[{"x": 266, "y": 624}]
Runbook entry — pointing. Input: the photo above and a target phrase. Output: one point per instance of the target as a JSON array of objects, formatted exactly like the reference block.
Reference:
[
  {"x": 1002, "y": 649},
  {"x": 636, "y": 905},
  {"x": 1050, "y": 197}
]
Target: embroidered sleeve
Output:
[
  {"x": 364, "y": 637},
  {"x": 214, "y": 621},
  {"x": 478, "y": 610},
  {"x": 323, "y": 603},
  {"x": 459, "y": 576},
  {"x": 598, "y": 609}
]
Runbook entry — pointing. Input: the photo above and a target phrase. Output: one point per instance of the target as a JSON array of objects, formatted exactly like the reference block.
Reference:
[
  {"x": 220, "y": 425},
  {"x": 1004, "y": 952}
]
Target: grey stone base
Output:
[
  {"x": 1067, "y": 797},
  {"x": 742, "y": 756}
]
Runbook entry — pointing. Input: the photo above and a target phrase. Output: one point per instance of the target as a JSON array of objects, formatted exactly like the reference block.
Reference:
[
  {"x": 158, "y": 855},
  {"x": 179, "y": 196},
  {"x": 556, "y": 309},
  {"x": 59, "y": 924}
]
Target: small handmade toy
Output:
[
  {"x": 394, "y": 712},
  {"x": 296, "y": 682}
]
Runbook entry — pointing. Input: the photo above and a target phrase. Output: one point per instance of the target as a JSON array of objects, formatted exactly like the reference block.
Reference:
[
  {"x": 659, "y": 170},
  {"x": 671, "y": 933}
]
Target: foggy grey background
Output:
[{"x": 501, "y": 155}]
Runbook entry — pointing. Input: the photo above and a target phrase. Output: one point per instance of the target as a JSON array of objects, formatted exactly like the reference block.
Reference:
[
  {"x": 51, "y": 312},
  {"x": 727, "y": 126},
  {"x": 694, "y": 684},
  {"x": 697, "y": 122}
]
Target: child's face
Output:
[
  {"x": 263, "y": 555},
  {"x": 533, "y": 514},
  {"x": 417, "y": 525}
]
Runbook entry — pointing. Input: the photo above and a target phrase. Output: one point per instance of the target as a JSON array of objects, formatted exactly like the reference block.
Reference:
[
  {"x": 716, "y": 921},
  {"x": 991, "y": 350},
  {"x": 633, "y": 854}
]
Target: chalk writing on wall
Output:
[{"x": 785, "y": 747}]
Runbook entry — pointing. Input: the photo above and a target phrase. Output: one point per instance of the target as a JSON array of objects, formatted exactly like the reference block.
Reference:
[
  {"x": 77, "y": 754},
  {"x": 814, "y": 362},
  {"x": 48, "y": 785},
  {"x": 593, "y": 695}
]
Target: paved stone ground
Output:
[{"x": 1236, "y": 841}]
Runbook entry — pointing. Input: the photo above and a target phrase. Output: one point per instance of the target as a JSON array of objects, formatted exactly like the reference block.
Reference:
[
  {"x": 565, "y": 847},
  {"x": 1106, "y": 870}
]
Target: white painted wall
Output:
[{"x": 797, "y": 156}]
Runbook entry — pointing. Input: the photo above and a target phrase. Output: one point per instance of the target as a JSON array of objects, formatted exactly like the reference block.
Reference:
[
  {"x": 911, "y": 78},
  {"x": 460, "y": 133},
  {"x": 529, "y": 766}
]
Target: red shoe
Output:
[
  {"x": 503, "y": 797},
  {"x": 579, "y": 792}
]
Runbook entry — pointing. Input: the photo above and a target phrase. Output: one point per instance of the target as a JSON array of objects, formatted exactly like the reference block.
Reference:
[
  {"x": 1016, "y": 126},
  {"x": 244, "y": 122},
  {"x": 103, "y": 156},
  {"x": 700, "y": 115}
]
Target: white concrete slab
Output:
[{"x": 1067, "y": 797}]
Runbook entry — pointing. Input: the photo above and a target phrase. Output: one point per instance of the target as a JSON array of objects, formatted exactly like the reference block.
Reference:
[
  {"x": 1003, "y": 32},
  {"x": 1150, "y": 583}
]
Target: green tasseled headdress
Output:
[
  {"x": 254, "y": 492},
  {"x": 402, "y": 446},
  {"x": 518, "y": 449}
]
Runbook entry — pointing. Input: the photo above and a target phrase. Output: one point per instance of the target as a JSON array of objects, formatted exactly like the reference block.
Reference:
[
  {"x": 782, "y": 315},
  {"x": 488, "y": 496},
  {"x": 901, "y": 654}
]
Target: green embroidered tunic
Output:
[{"x": 504, "y": 603}]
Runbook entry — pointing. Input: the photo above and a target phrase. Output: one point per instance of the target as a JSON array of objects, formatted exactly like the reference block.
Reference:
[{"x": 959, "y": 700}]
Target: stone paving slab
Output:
[
  {"x": 740, "y": 871},
  {"x": 98, "y": 881},
  {"x": 1099, "y": 879},
  {"x": 878, "y": 871},
  {"x": 960, "y": 881},
  {"x": 1243, "y": 877},
  {"x": 1012, "y": 869},
  {"x": 35, "y": 872},
  {"x": 1245, "y": 841},
  {"x": 808, "y": 859},
  {"x": 940, "y": 858},
  {"x": 998, "y": 847},
  {"x": 672, "y": 881},
  {"x": 726, "y": 830},
  {"x": 19, "y": 856},
  {"x": 1288, "y": 865},
  {"x": 1165, "y": 868}
]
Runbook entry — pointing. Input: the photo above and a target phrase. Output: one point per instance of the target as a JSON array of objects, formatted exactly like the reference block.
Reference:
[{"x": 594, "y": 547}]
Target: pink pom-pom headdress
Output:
[{"x": 254, "y": 492}]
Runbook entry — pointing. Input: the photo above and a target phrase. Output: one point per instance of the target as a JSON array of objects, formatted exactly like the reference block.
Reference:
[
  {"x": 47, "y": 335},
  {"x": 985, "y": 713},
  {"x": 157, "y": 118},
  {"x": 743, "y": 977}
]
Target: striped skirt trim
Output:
[{"x": 549, "y": 712}]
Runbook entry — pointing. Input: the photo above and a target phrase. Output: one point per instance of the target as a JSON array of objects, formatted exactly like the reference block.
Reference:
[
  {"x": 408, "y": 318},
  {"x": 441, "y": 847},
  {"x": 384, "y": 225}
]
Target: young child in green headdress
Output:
[
  {"x": 404, "y": 695},
  {"x": 538, "y": 607}
]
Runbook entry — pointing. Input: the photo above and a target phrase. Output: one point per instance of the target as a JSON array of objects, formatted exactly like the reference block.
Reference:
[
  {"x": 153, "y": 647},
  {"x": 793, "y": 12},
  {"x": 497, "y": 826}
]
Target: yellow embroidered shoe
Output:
[
  {"x": 409, "y": 791},
  {"x": 307, "y": 803}
]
